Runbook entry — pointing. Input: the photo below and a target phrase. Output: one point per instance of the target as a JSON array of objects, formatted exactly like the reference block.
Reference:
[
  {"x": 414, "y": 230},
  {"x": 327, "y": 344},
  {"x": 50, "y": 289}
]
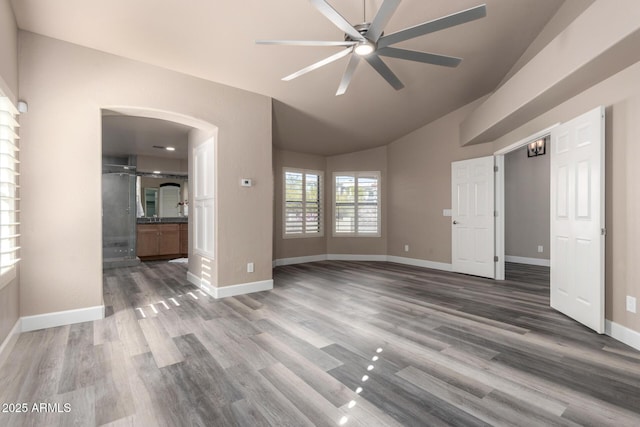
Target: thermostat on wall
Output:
[{"x": 246, "y": 182}]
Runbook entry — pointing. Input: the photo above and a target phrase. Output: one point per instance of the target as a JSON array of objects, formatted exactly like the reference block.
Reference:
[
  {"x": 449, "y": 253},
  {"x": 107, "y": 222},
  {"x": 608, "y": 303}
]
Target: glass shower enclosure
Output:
[{"x": 118, "y": 213}]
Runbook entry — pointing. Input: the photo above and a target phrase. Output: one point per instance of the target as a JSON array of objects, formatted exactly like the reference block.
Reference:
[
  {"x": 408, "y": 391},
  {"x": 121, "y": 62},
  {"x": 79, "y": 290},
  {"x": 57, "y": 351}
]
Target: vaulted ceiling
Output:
[{"x": 215, "y": 40}]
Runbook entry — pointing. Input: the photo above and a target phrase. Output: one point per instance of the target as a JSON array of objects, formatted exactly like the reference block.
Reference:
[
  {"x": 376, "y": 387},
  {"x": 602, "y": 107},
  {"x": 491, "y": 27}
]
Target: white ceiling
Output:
[{"x": 215, "y": 40}]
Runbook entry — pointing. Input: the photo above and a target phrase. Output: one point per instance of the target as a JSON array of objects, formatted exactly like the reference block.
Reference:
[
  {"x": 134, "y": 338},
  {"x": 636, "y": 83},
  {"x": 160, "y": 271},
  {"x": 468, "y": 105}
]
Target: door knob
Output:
[{"x": 455, "y": 222}]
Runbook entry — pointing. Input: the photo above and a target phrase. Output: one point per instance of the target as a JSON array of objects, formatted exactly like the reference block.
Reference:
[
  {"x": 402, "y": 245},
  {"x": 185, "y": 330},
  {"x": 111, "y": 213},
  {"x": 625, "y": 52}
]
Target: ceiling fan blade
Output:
[
  {"x": 427, "y": 58},
  {"x": 338, "y": 20},
  {"x": 381, "y": 19},
  {"x": 435, "y": 25},
  {"x": 305, "y": 43},
  {"x": 319, "y": 64},
  {"x": 382, "y": 69},
  {"x": 348, "y": 73}
]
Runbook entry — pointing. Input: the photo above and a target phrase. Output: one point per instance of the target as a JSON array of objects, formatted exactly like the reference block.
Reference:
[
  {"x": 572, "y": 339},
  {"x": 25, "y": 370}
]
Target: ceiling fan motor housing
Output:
[
  {"x": 363, "y": 47},
  {"x": 362, "y": 29}
]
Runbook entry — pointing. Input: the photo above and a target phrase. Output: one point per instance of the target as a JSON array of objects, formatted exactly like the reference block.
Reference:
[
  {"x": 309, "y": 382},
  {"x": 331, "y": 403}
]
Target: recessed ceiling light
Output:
[
  {"x": 171, "y": 149},
  {"x": 156, "y": 172}
]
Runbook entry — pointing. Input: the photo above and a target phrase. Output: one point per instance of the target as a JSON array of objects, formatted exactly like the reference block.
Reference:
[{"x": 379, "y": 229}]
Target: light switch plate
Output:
[
  {"x": 631, "y": 304},
  {"x": 446, "y": 212}
]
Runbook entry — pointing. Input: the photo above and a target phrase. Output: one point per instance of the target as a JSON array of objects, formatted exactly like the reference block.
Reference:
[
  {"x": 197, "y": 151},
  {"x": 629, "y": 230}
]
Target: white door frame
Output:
[{"x": 499, "y": 194}]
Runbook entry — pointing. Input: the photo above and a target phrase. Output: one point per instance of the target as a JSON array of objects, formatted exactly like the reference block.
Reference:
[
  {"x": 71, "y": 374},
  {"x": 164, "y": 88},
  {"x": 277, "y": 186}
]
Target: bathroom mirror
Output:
[{"x": 163, "y": 196}]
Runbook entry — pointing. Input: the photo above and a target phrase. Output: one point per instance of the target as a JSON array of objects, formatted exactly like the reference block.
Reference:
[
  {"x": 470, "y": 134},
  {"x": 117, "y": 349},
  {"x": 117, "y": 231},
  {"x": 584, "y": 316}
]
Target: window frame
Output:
[
  {"x": 9, "y": 122},
  {"x": 357, "y": 175},
  {"x": 304, "y": 234}
]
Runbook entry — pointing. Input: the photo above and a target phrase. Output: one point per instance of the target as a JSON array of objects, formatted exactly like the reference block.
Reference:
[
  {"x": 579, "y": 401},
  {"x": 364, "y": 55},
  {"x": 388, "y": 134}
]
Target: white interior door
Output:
[
  {"x": 577, "y": 219},
  {"x": 473, "y": 222}
]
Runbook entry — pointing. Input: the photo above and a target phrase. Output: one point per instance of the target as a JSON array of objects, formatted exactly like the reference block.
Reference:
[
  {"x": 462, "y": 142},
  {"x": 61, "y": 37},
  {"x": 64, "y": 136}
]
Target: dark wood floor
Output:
[{"x": 436, "y": 349}]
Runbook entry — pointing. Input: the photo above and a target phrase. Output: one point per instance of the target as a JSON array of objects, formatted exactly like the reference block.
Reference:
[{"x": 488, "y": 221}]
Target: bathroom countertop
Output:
[{"x": 168, "y": 220}]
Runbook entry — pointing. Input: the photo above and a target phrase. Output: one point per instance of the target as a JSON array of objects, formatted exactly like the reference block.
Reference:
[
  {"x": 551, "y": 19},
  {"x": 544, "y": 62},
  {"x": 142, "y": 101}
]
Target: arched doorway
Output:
[{"x": 129, "y": 134}]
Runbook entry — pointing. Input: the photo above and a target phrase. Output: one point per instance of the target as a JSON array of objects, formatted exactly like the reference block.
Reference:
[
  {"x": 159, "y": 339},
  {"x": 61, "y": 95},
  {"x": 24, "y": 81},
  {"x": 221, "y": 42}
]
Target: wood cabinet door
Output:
[
  {"x": 169, "y": 242},
  {"x": 184, "y": 239},
  {"x": 147, "y": 240}
]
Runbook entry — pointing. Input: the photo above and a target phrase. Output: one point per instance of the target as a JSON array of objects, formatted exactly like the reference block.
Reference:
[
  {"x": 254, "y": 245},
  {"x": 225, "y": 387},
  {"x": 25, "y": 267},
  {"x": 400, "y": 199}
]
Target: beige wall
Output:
[
  {"x": 420, "y": 187},
  {"x": 526, "y": 204},
  {"x": 8, "y": 51},
  {"x": 66, "y": 87},
  {"x": 368, "y": 160},
  {"x": 296, "y": 247},
  {"x": 9, "y": 293}
]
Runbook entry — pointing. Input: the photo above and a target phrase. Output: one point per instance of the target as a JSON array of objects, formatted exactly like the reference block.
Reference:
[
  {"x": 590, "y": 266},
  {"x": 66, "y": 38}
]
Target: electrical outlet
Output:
[
  {"x": 540, "y": 248},
  {"x": 406, "y": 248},
  {"x": 249, "y": 267},
  {"x": 631, "y": 304}
]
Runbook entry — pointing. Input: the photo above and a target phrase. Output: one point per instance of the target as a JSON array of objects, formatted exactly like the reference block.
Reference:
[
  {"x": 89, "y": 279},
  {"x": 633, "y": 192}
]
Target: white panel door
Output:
[
  {"x": 473, "y": 222},
  {"x": 577, "y": 219},
  {"x": 204, "y": 199}
]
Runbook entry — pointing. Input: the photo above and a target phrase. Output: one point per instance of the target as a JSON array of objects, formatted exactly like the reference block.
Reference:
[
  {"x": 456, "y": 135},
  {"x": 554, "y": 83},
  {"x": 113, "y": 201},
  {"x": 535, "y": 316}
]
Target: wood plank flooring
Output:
[{"x": 357, "y": 343}]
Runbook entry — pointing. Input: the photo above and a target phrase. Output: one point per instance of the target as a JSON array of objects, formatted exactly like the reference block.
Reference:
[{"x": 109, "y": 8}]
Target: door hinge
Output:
[
  {"x": 495, "y": 168},
  {"x": 495, "y": 213},
  {"x": 603, "y": 231},
  {"x": 495, "y": 258}
]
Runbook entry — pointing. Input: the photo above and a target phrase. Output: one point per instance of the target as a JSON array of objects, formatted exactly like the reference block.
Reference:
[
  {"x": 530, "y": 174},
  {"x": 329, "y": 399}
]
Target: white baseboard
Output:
[
  {"x": 193, "y": 279},
  {"x": 525, "y": 260},
  {"x": 61, "y": 318},
  {"x": 622, "y": 333},
  {"x": 243, "y": 288},
  {"x": 231, "y": 290},
  {"x": 350, "y": 257},
  {"x": 353, "y": 257},
  {"x": 420, "y": 263},
  {"x": 201, "y": 283},
  {"x": 9, "y": 341},
  {"x": 299, "y": 260}
]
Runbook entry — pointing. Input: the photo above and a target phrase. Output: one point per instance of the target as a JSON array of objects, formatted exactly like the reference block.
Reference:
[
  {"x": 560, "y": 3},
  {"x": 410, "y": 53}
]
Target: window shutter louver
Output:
[
  {"x": 302, "y": 203},
  {"x": 9, "y": 188},
  {"x": 357, "y": 204}
]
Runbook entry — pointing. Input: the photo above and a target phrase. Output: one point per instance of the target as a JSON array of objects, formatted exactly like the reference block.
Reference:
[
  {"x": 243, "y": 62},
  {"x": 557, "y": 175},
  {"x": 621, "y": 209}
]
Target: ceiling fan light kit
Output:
[
  {"x": 368, "y": 42},
  {"x": 364, "y": 48}
]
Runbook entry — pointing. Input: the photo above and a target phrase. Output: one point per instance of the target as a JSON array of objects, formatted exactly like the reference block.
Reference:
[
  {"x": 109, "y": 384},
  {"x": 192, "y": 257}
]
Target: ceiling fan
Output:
[{"x": 368, "y": 41}]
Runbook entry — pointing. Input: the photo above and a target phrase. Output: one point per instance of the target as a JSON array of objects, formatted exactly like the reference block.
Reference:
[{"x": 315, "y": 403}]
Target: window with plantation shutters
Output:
[
  {"x": 357, "y": 204},
  {"x": 302, "y": 203},
  {"x": 9, "y": 221}
]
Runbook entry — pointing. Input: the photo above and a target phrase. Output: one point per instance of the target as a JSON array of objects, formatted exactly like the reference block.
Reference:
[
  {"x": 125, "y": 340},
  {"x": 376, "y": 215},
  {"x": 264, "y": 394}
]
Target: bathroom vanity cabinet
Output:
[{"x": 162, "y": 240}]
